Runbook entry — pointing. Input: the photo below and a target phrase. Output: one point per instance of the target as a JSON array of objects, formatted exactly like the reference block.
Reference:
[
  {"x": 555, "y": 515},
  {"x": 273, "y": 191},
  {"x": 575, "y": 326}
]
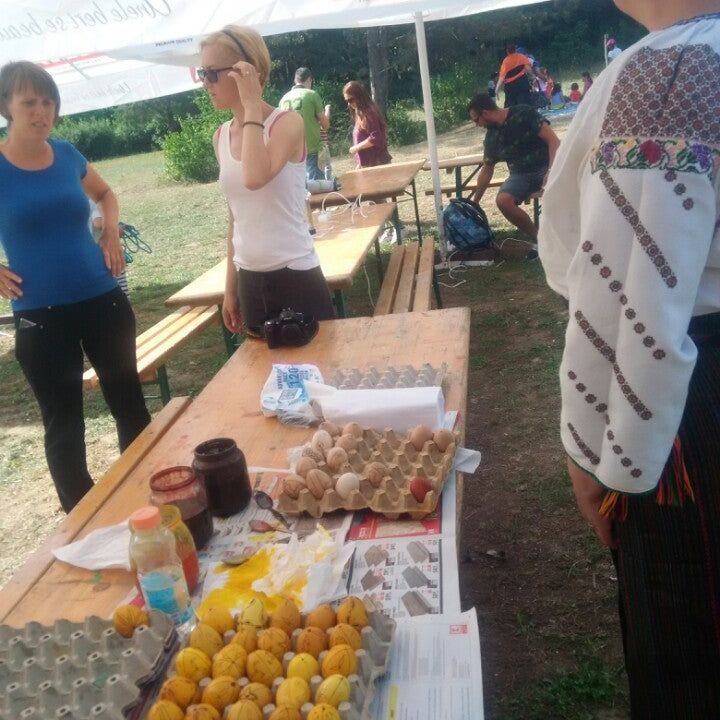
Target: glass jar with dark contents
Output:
[
  {"x": 221, "y": 464},
  {"x": 180, "y": 486}
]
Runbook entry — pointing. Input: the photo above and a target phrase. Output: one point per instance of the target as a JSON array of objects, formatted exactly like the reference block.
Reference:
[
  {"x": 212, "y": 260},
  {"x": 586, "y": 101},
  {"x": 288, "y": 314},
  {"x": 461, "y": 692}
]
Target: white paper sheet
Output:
[
  {"x": 435, "y": 671},
  {"x": 104, "y": 548}
]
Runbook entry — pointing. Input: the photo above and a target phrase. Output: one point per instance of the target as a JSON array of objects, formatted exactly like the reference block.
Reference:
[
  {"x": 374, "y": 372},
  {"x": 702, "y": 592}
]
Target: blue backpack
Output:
[{"x": 466, "y": 225}]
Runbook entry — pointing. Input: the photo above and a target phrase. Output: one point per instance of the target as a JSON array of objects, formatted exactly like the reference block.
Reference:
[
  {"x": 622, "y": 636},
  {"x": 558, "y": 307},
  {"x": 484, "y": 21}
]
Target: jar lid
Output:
[
  {"x": 217, "y": 447},
  {"x": 145, "y": 518},
  {"x": 172, "y": 478}
]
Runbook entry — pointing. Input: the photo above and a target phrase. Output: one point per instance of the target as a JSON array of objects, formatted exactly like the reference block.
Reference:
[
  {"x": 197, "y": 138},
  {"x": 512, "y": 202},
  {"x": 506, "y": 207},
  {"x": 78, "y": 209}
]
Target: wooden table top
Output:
[
  {"x": 229, "y": 406},
  {"x": 374, "y": 183},
  {"x": 459, "y": 161},
  {"x": 342, "y": 245}
]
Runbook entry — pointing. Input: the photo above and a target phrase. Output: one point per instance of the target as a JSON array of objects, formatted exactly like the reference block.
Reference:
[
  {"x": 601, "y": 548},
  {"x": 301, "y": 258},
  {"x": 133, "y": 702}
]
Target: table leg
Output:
[
  {"x": 436, "y": 288},
  {"x": 340, "y": 303},
  {"x": 378, "y": 255},
  {"x": 417, "y": 210},
  {"x": 163, "y": 384},
  {"x": 458, "y": 182},
  {"x": 398, "y": 225},
  {"x": 536, "y": 212}
]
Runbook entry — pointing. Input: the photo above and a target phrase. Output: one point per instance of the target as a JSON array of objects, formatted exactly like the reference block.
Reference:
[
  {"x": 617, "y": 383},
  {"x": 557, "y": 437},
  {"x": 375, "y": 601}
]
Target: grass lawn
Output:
[{"x": 543, "y": 587}]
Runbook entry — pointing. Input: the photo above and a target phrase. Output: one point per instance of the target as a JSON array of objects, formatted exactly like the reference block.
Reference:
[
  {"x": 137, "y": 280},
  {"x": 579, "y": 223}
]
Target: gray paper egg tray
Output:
[
  {"x": 390, "y": 377},
  {"x": 78, "y": 670}
]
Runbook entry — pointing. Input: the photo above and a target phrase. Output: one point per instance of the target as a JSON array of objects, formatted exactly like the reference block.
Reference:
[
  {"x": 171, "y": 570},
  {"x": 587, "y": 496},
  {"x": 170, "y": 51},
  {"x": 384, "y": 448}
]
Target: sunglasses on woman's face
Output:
[{"x": 211, "y": 74}]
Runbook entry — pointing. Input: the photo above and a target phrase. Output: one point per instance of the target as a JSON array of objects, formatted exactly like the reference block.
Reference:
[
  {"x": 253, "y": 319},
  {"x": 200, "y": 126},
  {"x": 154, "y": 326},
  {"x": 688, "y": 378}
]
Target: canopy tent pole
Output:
[{"x": 430, "y": 124}]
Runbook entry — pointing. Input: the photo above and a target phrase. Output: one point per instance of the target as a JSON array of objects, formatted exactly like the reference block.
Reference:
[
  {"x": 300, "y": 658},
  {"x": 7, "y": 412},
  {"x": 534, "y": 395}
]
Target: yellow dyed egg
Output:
[
  {"x": 254, "y": 614},
  {"x": 179, "y": 690},
  {"x": 202, "y": 711},
  {"x": 263, "y": 667},
  {"x": 286, "y": 617},
  {"x": 335, "y": 689},
  {"x": 344, "y": 634},
  {"x": 246, "y": 636},
  {"x": 193, "y": 664},
  {"x": 230, "y": 661},
  {"x": 218, "y": 618},
  {"x": 244, "y": 710},
  {"x": 165, "y": 710},
  {"x": 258, "y": 693},
  {"x": 353, "y": 612},
  {"x": 283, "y": 712},
  {"x": 293, "y": 692},
  {"x": 323, "y": 617},
  {"x": 339, "y": 660},
  {"x": 220, "y": 692},
  {"x": 311, "y": 640},
  {"x": 128, "y": 617},
  {"x": 303, "y": 666},
  {"x": 323, "y": 711},
  {"x": 275, "y": 641},
  {"x": 205, "y": 638}
]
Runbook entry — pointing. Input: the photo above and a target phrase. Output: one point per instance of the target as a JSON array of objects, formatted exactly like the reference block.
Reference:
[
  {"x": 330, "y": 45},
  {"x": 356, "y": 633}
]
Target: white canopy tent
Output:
[{"x": 110, "y": 52}]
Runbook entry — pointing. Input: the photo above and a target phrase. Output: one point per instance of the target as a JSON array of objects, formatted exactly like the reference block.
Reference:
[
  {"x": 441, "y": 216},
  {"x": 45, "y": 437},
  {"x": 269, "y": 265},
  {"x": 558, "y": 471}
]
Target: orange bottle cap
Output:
[{"x": 145, "y": 518}]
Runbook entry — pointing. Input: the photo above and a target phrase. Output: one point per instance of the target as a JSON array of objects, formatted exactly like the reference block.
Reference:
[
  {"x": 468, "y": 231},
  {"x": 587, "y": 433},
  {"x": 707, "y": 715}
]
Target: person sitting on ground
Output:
[
  {"x": 514, "y": 77},
  {"x": 575, "y": 94},
  {"x": 613, "y": 49},
  {"x": 587, "y": 82},
  {"x": 557, "y": 98},
  {"x": 304, "y": 100},
  {"x": 521, "y": 137},
  {"x": 370, "y": 143}
]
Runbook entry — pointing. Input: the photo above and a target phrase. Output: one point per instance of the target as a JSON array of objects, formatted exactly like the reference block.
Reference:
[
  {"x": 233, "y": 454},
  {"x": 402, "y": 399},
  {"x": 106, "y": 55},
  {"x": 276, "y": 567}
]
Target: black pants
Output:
[
  {"x": 49, "y": 346},
  {"x": 263, "y": 295},
  {"x": 518, "y": 92}
]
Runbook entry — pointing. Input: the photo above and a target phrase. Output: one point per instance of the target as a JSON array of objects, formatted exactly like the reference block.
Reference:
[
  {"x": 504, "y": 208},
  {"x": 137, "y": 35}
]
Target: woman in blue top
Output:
[{"x": 61, "y": 284}]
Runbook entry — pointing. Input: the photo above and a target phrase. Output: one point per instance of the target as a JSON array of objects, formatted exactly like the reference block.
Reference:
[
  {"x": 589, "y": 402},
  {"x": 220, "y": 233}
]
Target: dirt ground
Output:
[{"x": 543, "y": 588}]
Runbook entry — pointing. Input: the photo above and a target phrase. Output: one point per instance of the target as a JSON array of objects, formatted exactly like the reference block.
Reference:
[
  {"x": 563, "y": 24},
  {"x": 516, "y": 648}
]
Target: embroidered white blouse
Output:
[{"x": 630, "y": 235}]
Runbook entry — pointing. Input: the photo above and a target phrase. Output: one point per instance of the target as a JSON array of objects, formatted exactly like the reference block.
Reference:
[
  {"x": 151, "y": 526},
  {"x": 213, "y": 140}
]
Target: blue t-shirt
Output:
[{"x": 45, "y": 234}]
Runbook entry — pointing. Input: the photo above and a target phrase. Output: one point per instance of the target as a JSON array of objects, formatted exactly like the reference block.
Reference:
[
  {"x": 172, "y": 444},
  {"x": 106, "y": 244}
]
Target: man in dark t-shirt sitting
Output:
[{"x": 522, "y": 138}]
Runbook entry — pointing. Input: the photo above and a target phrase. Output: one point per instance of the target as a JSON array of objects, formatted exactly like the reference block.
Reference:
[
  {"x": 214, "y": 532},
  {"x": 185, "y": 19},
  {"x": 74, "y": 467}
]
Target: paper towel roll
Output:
[{"x": 399, "y": 408}]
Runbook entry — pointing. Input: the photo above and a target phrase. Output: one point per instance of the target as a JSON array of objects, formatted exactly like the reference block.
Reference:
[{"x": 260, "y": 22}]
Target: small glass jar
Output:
[
  {"x": 180, "y": 486},
  {"x": 221, "y": 464}
]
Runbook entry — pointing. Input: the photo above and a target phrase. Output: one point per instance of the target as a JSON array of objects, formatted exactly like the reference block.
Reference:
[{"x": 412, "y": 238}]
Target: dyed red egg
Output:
[{"x": 419, "y": 487}]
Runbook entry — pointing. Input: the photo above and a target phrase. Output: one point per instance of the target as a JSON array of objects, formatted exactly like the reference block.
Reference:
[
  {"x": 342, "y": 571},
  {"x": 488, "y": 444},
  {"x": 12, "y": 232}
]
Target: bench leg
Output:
[
  {"x": 398, "y": 225},
  {"x": 163, "y": 384},
  {"x": 340, "y": 303},
  {"x": 436, "y": 289},
  {"x": 417, "y": 210},
  {"x": 458, "y": 182},
  {"x": 378, "y": 255}
]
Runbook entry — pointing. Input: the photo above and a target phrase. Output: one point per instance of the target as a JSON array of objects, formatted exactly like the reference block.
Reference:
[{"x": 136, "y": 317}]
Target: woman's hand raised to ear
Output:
[{"x": 248, "y": 83}]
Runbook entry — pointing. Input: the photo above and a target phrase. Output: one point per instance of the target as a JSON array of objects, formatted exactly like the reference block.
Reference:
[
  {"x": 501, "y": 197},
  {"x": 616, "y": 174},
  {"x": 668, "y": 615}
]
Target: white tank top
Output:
[{"x": 270, "y": 229}]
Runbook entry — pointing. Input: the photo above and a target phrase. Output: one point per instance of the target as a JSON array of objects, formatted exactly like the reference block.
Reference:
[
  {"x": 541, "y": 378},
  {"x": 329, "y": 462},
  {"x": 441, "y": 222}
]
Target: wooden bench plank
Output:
[
  {"x": 388, "y": 291},
  {"x": 403, "y": 298},
  {"x": 71, "y": 526},
  {"x": 423, "y": 281}
]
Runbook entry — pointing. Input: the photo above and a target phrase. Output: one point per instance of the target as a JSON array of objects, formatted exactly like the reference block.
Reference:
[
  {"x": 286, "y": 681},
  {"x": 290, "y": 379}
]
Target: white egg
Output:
[{"x": 346, "y": 484}]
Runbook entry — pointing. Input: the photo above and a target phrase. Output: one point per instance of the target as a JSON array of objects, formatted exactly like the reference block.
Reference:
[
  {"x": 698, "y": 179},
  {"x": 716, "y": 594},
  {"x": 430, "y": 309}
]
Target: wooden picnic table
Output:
[
  {"x": 382, "y": 182},
  {"x": 342, "y": 243},
  {"x": 456, "y": 164},
  {"x": 45, "y": 589}
]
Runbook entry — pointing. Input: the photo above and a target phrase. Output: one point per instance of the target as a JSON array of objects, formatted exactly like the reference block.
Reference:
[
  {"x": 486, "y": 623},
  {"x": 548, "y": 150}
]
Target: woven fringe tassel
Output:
[
  {"x": 675, "y": 486},
  {"x": 614, "y": 505}
]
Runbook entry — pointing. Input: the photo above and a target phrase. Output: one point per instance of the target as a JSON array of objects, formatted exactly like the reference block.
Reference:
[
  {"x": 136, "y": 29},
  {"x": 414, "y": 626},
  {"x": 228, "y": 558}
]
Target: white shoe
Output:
[{"x": 388, "y": 237}]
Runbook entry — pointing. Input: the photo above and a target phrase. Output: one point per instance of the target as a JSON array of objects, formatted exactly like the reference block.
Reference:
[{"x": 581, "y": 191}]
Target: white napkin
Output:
[
  {"x": 398, "y": 408},
  {"x": 104, "y": 548}
]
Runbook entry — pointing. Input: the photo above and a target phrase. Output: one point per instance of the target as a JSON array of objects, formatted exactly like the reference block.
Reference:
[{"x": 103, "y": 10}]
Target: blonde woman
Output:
[{"x": 272, "y": 263}]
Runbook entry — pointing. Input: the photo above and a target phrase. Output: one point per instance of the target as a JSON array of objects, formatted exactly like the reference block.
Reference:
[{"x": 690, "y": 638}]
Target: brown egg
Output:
[
  {"x": 321, "y": 441},
  {"x": 347, "y": 442},
  {"x": 304, "y": 465},
  {"x": 292, "y": 485},
  {"x": 323, "y": 617},
  {"x": 318, "y": 457},
  {"x": 336, "y": 458},
  {"x": 419, "y": 435},
  {"x": 443, "y": 439},
  {"x": 311, "y": 640},
  {"x": 330, "y": 427},
  {"x": 375, "y": 472},
  {"x": 354, "y": 429},
  {"x": 318, "y": 482}
]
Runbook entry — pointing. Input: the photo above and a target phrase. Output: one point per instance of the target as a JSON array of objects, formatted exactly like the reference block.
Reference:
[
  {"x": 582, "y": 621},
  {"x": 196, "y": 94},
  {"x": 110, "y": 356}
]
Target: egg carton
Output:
[
  {"x": 392, "y": 497},
  {"x": 390, "y": 377},
  {"x": 78, "y": 670},
  {"x": 372, "y": 662}
]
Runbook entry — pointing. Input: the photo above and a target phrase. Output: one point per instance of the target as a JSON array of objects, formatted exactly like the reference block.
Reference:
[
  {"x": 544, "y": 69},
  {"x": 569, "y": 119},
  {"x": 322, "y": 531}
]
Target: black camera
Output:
[{"x": 290, "y": 328}]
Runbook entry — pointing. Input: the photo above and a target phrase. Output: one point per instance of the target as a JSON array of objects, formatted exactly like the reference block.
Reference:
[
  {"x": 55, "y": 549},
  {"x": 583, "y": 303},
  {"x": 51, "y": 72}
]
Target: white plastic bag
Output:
[{"x": 284, "y": 394}]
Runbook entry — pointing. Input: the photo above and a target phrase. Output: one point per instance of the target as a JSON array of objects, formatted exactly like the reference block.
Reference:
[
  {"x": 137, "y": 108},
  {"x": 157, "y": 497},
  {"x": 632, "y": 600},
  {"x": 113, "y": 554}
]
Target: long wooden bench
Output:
[
  {"x": 409, "y": 280},
  {"x": 157, "y": 344},
  {"x": 71, "y": 526}
]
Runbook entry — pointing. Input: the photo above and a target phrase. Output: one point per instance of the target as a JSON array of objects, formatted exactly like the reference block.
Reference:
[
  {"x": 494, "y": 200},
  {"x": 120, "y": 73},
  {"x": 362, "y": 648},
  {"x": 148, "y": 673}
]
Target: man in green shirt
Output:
[{"x": 304, "y": 100}]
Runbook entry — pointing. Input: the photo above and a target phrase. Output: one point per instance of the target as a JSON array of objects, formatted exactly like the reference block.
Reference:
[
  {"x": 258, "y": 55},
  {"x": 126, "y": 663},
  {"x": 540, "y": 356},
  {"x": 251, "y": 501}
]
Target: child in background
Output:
[
  {"x": 557, "y": 98},
  {"x": 587, "y": 82},
  {"x": 492, "y": 85},
  {"x": 575, "y": 95}
]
